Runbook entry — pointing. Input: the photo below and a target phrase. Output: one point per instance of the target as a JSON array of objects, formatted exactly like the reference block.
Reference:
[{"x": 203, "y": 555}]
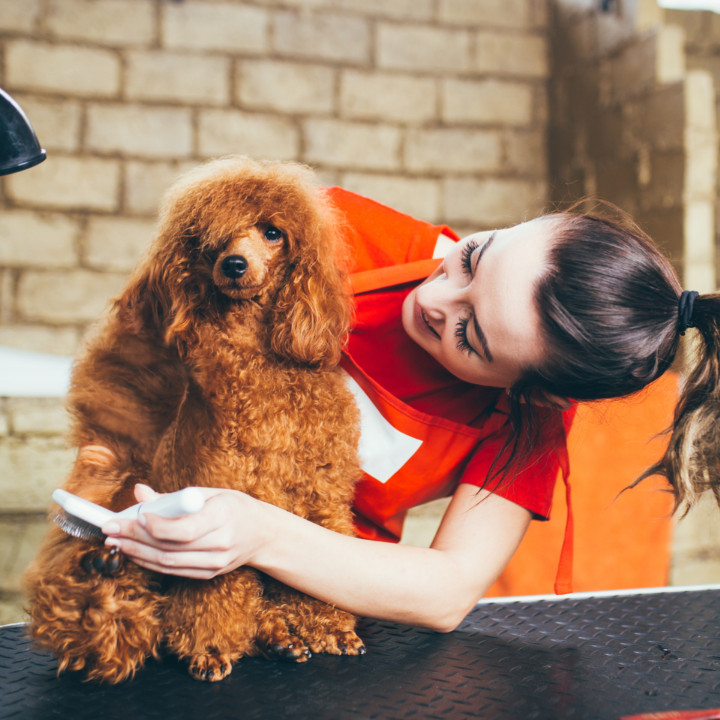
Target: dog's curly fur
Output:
[{"x": 215, "y": 372}]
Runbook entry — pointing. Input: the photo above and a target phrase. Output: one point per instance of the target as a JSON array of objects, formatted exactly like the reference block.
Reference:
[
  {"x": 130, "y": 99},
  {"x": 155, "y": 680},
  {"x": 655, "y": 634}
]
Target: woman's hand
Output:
[{"x": 225, "y": 534}]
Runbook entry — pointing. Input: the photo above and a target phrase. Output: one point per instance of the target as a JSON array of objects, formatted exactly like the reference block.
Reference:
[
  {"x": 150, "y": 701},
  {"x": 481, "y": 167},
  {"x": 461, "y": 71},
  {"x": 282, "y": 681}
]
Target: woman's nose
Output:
[{"x": 446, "y": 294}]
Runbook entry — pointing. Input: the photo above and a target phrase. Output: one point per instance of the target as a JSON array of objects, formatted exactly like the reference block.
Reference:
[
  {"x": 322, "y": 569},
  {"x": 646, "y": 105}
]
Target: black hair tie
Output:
[{"x": 685, "y": 310}]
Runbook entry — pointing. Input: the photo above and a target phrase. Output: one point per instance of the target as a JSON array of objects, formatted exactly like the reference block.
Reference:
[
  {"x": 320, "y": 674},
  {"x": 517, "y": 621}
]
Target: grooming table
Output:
[{"x": 579, "y": 656}]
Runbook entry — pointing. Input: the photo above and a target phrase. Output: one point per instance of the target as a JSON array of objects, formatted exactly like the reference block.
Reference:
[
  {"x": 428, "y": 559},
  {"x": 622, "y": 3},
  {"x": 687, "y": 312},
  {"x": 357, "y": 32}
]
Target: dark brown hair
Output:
[{"x": 608, "y": 307}]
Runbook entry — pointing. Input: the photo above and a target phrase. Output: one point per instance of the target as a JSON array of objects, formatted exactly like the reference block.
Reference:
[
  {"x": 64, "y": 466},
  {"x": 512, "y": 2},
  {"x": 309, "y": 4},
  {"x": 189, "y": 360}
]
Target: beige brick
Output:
[
  {"x": 19, "y": 16},
  {"x": 177, "y": 77},
  {"x": 695, "y": 24},
  {"x": 328, "y": 177},
  {"x": 699, "y": 251},
  {"x": 501, "y": 13},
  {"x": 700, "y": 570},
  {"x": 381, "y": 96},
  {"x": 526, "y": 152},
  {"x": 420, "y": 48},
  {"x": 656, "y": 120},
  {"x": 701, "y": 164},
  {"x": 505, "y": 54},
  {"x": 140, "y": 131},
  {"x": 109, "y": 22},
  {"x": 488, "y": 101},
  {"x": 217, "y": 27},
  {"x": 37, "y": 416},
  {"x": 116, "y": 243},
  {"x": 30, "y": 469},
  {"x": 670, "y": 54},
  {"x": 68, "y": 182},
  {"x": 341, "y": 144},
  {"x": 39, "y": 338},
  {"x": 66, "y": 297},
  {"x": 417, "y": 197},
  {"x": 700, "y": 101},
  {"x": 539, "y": 13},
  {"x": 323, "y": 36},
  {"x": 34, "y": 240},
  {"x": 493, "y": 201},
  {"x": 7, "y": 295},
  {"x": 656, "y": 58},
  {"x": 62, "y": 69},
  {"x": 699, "y": 531},
  {"x": 265, "y": 136},
  {"x": 286, "y": 87},
  {"x": 12, "y": 610},
  {"x": 56, "y": 122},
  {"x": 453, "y": 150},
  {"x": 146, "y": 182},
  {"x": 4, "y": 423},
  {"x": 422, "y": 523},
  {"x": 20, "y": 538},
  {"x": 401, "y": 9}
]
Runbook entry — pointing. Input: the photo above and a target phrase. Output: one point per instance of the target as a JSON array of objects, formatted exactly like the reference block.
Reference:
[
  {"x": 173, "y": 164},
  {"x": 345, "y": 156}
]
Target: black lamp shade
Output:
[{"x": 19, "y": 146}]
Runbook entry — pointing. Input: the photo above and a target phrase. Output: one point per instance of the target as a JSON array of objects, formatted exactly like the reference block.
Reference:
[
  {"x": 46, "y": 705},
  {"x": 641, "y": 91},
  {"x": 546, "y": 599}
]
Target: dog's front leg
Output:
[
  {"x": 211, "y": 624},
  {"x": 98, "y": 614}
]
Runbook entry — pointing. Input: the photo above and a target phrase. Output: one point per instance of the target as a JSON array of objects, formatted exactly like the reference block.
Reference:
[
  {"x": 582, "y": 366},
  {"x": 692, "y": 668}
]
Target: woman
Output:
[{"x": 486, "y": 350}]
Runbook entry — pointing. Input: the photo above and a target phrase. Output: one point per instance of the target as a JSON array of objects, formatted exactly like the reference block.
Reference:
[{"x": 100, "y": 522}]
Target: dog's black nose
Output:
[{"x": 234, "y": 266}]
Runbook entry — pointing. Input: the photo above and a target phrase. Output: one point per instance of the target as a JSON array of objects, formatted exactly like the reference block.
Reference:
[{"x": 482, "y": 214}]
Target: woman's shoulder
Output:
[{"x": 380, "y": 236}]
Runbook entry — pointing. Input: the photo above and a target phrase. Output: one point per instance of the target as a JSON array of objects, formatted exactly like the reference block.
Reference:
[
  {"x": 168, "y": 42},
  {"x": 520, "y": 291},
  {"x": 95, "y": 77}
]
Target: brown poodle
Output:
[{"x": 216, "y": 367}]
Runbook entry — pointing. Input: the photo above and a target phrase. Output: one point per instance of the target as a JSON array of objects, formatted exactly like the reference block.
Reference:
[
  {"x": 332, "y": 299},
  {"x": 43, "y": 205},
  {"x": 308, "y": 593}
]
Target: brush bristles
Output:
[{"x": 76, "y": 527}]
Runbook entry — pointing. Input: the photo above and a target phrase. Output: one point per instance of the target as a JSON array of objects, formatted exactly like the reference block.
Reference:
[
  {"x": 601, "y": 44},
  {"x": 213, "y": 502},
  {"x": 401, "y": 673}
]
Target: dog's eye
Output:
[{"x": 273, "y": 234}]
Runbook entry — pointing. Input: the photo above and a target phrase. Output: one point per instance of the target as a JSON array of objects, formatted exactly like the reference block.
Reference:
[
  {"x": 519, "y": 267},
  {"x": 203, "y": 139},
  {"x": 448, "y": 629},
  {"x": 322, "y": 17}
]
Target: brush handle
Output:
[
  {"x": 81, "y": 508},
  {"x": 176, "y": 504}
]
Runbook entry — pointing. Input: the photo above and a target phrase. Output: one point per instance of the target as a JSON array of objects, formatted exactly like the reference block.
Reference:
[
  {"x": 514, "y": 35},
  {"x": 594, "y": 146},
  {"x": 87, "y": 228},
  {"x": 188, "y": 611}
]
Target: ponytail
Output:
[
  {"x": 612, "y": 312},
  {"x": 691, "y": 462}
]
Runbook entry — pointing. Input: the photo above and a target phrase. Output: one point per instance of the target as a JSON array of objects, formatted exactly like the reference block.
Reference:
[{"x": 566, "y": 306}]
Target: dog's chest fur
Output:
[{"x": 250, "y": 422}]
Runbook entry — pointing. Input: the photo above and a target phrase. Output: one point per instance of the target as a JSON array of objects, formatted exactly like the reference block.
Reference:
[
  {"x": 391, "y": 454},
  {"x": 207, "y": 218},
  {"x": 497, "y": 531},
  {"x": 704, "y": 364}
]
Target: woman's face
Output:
[{"x": 476, "y": 313}]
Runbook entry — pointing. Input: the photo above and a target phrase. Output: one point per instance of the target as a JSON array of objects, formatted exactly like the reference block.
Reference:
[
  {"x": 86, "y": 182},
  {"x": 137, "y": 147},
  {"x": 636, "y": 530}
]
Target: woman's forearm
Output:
[
  {"x": 418, "y": 586},
  {"x": 433, "y": 587}
]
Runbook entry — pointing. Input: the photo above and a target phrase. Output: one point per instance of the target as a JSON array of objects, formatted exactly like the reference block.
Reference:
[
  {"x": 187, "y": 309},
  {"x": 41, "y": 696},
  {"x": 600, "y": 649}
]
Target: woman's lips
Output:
[{"x": 422, "y": 322}]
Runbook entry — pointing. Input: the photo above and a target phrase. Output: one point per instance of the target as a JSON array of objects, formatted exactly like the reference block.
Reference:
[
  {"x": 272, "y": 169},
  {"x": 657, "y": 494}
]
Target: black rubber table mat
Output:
[{"x": 599, "y": 657}]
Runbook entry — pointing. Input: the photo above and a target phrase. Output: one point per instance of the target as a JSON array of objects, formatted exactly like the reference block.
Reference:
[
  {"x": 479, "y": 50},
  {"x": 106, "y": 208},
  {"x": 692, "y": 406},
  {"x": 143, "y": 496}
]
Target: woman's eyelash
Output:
[
  {"x": 466, "y": 257},
  {"x": 463, "y": 344}
]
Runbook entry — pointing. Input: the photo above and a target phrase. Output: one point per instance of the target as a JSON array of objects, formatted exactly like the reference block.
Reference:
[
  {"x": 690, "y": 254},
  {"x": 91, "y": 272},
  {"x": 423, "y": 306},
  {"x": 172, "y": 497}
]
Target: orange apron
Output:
[{"x": 399, "y": 443}]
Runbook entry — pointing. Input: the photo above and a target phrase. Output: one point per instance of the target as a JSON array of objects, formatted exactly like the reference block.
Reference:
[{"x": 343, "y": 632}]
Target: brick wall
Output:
[
  {"x": 634, "y": 121},
  {"x": 633, "y": 125},
  {"x": 701, "y": 32},
  {"x": 436, "y": 107}
]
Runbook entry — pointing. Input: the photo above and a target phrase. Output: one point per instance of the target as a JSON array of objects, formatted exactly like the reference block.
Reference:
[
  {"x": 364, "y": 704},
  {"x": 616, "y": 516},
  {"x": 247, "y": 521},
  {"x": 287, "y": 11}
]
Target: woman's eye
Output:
[
  {"x": 273, "y": 234},
  {"x": 463, "y": 344},
  {"x": 466, "y": 258}
]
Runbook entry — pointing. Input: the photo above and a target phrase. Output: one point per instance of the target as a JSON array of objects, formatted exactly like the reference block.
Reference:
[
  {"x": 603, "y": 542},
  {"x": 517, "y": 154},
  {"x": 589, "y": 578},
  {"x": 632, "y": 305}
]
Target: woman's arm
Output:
[{"x": 433, "y": 587}]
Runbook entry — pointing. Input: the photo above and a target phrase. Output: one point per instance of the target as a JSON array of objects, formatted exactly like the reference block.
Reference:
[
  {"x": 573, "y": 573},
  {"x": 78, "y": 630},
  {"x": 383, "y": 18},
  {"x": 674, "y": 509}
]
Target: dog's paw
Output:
[
  {"x": 211, "y": 666},
  {"x": 103, "y": 561},
  {"x": 289, "y": 648},
  {"x": 338, "y": 642}
]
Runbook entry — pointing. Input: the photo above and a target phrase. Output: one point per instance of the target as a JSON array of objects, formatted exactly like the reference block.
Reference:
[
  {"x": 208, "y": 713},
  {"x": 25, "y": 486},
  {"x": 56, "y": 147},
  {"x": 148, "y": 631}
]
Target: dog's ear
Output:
[
  {"x": 312, "y": 310},
  {"x": 163, "y": 294}
]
